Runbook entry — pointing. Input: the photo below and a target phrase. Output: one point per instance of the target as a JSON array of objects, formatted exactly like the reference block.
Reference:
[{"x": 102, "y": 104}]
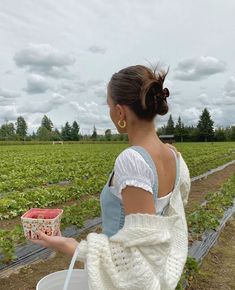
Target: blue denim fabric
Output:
[{"x": 112, "y": 210}]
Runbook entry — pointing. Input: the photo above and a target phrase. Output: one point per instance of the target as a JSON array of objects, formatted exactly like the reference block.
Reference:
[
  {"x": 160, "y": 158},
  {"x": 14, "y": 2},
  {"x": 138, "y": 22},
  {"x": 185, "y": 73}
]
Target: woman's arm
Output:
[{"x": 57, "y": 243}]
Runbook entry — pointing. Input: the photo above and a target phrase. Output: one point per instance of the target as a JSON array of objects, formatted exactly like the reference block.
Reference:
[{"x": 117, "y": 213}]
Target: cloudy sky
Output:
[{"x": 57, "y": 57}]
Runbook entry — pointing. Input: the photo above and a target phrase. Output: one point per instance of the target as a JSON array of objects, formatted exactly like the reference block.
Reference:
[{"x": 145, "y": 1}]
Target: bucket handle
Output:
[{"x": 70, "y": 270}]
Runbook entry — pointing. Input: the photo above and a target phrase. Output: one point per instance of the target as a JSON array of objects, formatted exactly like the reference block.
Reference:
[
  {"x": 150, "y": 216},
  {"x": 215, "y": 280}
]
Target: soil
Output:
[
  {"x": 199, "y": 188},
  {"x": 217, "y": 270},
  {"x": 26, "y": 278}
]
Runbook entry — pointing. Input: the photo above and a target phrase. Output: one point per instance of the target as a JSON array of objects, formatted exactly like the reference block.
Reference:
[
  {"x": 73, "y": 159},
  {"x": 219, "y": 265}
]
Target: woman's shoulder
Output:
[
  {"x": 131, "y": 162},
  {"x": 130, "y": 155}
]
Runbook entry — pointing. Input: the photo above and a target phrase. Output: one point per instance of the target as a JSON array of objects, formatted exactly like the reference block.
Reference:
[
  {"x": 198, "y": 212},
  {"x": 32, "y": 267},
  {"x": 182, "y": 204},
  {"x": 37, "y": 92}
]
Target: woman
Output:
[{"x": 144, "y": 239}]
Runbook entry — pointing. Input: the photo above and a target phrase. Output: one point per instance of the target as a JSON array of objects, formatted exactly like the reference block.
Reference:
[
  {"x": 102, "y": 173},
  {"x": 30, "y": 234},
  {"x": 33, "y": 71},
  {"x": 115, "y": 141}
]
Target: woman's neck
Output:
[{"x": 143, "y": 134}]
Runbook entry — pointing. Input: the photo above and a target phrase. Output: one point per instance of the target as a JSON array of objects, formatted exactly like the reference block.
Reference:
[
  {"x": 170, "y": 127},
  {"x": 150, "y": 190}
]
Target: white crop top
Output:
[{"x": 131, "y": 169}]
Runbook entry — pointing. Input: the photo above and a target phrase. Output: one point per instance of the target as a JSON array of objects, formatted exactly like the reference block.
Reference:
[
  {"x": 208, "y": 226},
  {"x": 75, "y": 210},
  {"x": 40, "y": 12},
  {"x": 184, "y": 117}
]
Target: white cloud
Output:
[
  {"x": 8, "y": 113},
  {"x": 43, "y": 106},
  {"x": 104, "y": 40},
  {"x": 97, "y": 49},
  {"x": 229, "y": 89},
  {"x": 198, "y": 68},
  {"x": 36, "y": 84},
  {"x": 90, "y": 113},
  {"x": 190, "y": 115},
  {"x": 44, "y": 59},
  {"x": 8, "y": 94}
]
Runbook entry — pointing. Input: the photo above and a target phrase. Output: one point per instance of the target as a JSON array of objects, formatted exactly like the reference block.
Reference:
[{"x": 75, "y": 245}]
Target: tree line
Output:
[
  {"x": 45, "y": 132},
  {"x": 203, "y": 131}
]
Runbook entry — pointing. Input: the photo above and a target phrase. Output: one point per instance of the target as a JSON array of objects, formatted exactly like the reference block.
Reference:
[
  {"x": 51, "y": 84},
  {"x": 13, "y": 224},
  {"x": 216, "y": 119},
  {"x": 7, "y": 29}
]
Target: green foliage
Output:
[
  {"x": 191, "y": 267},
  {"x": 7, "y": 131},
  {"x": 207, "y": 216},
  {"x": 94, "y": 134},
  {"x": 205, "y": 125},
  {"x": 31, "y": 176},
  {"x": 66, "y": 132},
  {"x": 46, "y": 123},
  {"x": 75, "y": 214},
  {"x": 75, "y": 131},
  {"x": 170, "y": 126},
  {"x": 21, "y": 127},
  {"x": 108, "y": 134}
]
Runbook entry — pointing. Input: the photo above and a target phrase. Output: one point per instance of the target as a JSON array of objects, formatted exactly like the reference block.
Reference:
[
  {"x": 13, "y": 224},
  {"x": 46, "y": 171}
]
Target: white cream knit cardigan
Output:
[{"x": 148, "y": 253}]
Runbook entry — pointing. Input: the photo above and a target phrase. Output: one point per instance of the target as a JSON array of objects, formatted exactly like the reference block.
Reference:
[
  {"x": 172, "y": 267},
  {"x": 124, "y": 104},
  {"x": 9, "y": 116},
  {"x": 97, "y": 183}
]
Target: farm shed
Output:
[{"x": 167, "y": 138}]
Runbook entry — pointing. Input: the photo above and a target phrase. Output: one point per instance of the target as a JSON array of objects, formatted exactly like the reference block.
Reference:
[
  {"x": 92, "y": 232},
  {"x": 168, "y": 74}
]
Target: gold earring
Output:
[{"x": 122, "y": 126}]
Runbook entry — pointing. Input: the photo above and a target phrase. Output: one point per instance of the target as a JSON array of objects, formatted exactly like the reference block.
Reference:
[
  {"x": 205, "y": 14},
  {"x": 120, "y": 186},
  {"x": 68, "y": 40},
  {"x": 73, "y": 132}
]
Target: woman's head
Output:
[{"x": 137, "y": 91}]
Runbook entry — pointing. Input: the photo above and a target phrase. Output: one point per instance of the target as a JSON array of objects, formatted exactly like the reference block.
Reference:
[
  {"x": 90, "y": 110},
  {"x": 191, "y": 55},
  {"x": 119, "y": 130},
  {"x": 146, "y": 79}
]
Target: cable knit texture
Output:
[{"x": 148, "y": 253}]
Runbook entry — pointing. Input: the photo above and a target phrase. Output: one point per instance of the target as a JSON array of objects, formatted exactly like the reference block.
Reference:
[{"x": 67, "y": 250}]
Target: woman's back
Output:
[
  {"x": 136, "y": 167},
  {"x": 165, "y": 164},
  {"x": 166, "y": 168}
]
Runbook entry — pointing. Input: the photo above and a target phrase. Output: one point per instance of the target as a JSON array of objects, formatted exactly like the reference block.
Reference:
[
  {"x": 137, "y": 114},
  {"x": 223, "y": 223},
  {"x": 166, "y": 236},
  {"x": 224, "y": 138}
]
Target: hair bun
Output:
[{"x": 165, "y": 93}]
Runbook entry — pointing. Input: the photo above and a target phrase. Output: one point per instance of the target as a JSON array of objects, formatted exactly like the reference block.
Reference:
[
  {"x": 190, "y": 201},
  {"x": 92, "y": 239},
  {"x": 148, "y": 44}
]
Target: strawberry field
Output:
[{"x": 71, "y": 176}]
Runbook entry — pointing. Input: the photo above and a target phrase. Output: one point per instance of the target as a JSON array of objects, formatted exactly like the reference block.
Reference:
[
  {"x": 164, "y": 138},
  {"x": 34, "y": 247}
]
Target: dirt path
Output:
[
  {"x": 28, "y": 276},
  {"x": 199, "y": 188},
  {"x": 217, "y": 271}
]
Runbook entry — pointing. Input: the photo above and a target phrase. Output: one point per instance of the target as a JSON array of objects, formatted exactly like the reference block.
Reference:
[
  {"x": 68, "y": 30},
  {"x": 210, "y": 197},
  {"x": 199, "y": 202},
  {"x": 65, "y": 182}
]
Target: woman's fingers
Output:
[
  {"x": 39, "y": 242},
  {"x": 59, "y": 233},
  {"x": 43, "y": 239}
]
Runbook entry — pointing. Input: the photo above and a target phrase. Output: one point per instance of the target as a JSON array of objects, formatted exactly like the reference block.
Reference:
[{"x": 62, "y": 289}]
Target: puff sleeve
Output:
[{"x": 131, "y": 169}]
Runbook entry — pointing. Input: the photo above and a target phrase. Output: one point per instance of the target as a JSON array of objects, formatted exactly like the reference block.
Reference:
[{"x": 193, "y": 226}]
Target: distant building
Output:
[{"x": 167, "y": 138}]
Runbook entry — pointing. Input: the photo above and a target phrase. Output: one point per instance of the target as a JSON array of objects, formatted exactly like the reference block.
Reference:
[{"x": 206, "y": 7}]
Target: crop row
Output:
[
  {"x": 74, "y": 214},
  {"x": 202, "y": 217},
  {"x": 24, "y": 167}
]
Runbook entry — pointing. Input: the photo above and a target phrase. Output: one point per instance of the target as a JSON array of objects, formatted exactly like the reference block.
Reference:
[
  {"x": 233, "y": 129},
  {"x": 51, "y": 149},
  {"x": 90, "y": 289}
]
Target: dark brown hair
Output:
[{"x": 140, "y": 88}]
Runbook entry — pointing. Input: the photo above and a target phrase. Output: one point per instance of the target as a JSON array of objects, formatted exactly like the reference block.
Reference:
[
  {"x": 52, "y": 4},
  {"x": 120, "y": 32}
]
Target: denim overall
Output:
[{"x": 112, "y": 210}]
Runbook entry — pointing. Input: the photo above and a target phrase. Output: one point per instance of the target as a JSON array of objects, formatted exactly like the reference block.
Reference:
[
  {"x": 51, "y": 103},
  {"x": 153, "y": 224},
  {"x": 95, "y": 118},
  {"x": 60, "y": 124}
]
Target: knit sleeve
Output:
[
  {"x": 185, "y": 181},
  {"x": 131, "y": 169},
  {"x": 136, "y": 257}
]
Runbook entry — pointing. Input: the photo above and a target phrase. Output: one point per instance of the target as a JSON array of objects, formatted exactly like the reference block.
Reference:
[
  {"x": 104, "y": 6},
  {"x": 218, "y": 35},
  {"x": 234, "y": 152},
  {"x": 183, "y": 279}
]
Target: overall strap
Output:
[{"x": 150, "y": 161}]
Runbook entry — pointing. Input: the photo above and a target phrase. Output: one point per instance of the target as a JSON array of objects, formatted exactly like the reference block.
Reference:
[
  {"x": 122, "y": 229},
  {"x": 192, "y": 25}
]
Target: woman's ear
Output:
[{"x": 121, "y": 111}]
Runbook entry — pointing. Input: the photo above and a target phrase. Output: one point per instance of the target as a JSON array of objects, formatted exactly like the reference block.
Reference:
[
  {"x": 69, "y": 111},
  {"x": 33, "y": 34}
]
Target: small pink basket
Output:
[{"x": 46, "y": 220}]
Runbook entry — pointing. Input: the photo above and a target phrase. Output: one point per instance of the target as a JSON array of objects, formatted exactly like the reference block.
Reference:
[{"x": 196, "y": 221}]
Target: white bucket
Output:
[{"x": 55, "y": 281}]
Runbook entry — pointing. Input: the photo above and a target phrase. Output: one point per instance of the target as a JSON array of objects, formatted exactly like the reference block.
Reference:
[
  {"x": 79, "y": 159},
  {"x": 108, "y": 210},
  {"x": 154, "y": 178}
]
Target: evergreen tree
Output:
[
  {"x": 170, "y": 126},
  {"x": 57, "y": 133},
  {"x": 74, "y": 131},
  {"x": 108, "y": 134},
  {"x": 205, "y": 125},
  {"x": 46, "y": 123},
  {"x": 66, "y": 132},
  {"x": 21, "y": 127},
  {"x": 179, "y": 129},
  {"x": 43, "y": 134},
  {"x": 220, "y": 134},
  {"x": 94, "y": 134},
  {"x": 34, "y": 136},
  {"x": 232, "y": 133},
  {"x": 7, "y": 131}
]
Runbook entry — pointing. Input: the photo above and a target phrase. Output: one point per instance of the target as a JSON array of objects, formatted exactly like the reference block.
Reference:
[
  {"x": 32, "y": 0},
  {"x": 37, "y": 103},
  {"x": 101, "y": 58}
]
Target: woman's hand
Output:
[
  {"x": 173, "y": 147},
  {"x": 58, "y": 243}
]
